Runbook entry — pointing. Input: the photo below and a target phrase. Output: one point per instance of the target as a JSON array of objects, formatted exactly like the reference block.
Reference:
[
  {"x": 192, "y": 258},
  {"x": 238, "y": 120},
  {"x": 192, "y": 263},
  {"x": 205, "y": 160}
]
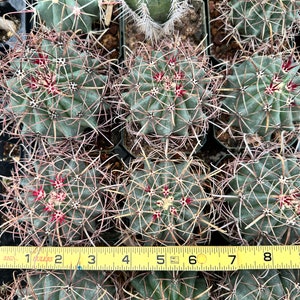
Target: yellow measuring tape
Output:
[{"x": 201, "y": 258}]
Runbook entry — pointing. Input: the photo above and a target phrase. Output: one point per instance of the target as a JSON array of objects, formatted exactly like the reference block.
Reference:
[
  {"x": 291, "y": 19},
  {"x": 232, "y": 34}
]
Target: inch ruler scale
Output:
[{"x": 179, "y": 258}]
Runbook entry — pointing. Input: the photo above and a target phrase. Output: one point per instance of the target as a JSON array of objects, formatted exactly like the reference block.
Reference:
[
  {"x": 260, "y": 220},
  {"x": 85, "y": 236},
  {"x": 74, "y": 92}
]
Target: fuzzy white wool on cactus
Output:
[{"x": 154, "y": 18}]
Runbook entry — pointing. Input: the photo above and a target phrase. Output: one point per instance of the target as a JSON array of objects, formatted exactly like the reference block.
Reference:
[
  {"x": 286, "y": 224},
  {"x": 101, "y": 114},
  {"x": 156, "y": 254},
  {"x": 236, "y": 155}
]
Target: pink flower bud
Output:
[
  {"x": 58, "y": 183},
  {"x": 158, "y": 77},
  {"x": 58, "y": 216},
  {"x": 288, "y": 65},
  {"x": 179, "y": 90},
  {"x": 42, "y": 60},
  {"x": 186, "y": 201},
  {"x": 40, "y": 194},
  {"x": 291, "y": 86},
  {"x": 156, "y": 215}
]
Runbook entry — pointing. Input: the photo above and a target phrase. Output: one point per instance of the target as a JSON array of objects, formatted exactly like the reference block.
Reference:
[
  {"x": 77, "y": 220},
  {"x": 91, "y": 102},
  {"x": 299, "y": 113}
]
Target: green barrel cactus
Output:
[
  {"x": 155, "y": 17},
  {"x": 67, "y": 285},
  {"x": 166, "y": 201},
  {"x": 65, "y": 15},
  {"x": 168, "y": 94},
  {"x": 253, "y": 22},
  {"x": 58, "y": 200},
  {"x": 260, "y": 285},
  {"x": 169, "y": 286},
  {"x": 264, "y": 198},
  {"x": 261, "y": 96},
  {"x": 56, "y": 89}
]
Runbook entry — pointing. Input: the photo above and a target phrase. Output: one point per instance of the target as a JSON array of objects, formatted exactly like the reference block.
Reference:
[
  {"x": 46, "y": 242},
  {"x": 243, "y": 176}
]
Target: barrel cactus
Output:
[
  {"x": 166, "y": 201},
  {"x": 57, "y": 87},
  {"x": 261, "y": 96},
  {"x": 72, "y": 15},
  {"x": 168, "y": 94},
  {"x": 168, "y": 286},
  {"x": 264, "y": 198},
  {"x": 68, "y": 285},
  {"x": 255, "y": 22},
  {"x": 58, "y": 200},
  {"x": 262, "y": 285},
  {"x": 154, "y": 17}
]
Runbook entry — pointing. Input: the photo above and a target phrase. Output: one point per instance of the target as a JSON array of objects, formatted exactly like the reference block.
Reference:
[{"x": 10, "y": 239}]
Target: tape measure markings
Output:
[{"x": 202, "y": 258}]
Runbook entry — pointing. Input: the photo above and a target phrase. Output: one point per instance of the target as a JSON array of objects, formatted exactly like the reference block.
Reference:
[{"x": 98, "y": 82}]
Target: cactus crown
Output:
[
  {"x": 57, "y": 87},
  {"x": 169, "y": 285},
  {"x": 263, "y": 285},
  {"x": 58, "y": 285}
]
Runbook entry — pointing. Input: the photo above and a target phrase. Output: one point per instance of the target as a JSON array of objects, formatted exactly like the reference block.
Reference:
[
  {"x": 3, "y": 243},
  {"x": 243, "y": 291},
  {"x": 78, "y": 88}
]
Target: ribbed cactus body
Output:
[
  {"x": 262, "y": 285},
  {"x": 263, "y": 20},
  {"x": 155, "y": 17},
  {"x": 169, "y": 286},
  {"x": 168, "y": 95},
  {"x": 262, "y": 95},
  {"x": 57, "y": 285},
  {"x": 265, "y": 199},
  {"x": 167, "y": 201},
  {"x": 56, "y": 89},
  {"x": 65, "y": 15}
]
